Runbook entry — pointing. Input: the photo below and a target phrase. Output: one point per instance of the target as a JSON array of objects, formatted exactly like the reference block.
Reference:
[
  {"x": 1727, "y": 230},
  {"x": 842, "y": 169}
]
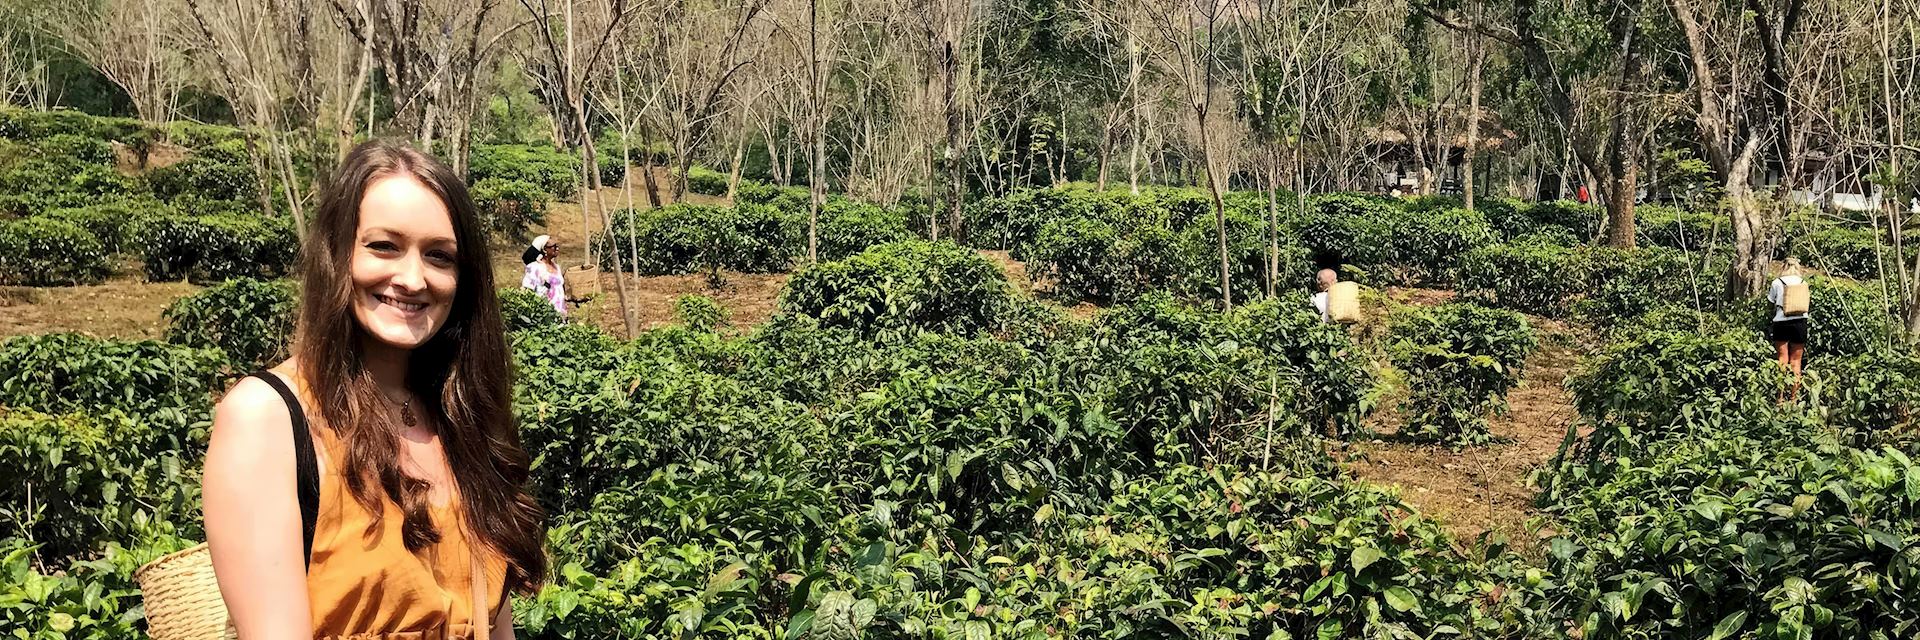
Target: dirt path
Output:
[
  {"x": 123, "y": 307},
  {"x": 1484, "y": 488}
]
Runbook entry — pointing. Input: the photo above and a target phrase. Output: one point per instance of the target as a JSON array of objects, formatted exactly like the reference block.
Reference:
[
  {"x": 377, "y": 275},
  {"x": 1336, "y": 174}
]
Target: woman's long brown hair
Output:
[{"x": 461, "y": 376}]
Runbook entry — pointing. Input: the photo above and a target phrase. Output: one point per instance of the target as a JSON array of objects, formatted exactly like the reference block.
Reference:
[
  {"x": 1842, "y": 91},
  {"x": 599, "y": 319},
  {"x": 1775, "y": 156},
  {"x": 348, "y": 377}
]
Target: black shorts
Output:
[{"x": 1790, "y": 331}]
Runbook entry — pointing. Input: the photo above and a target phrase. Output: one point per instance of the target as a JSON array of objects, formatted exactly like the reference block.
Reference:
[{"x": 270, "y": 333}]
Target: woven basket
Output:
[{"x": 182, "y": 598}]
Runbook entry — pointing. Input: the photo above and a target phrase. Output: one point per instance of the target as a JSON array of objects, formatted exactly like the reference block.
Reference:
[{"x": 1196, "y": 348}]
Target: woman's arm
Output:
[{"x": 252, "y": 511}]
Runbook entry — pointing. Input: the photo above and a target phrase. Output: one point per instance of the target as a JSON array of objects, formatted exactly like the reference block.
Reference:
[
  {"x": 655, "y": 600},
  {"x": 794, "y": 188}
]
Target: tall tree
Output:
[{"x": 1191, "y": 30}]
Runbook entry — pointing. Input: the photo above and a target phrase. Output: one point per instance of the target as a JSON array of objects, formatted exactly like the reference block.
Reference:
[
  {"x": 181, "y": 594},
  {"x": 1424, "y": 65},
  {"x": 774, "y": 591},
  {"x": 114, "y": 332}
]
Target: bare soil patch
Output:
[
  {"x": 127, "y": 308},
  {"x": 1483, "y": 488}
]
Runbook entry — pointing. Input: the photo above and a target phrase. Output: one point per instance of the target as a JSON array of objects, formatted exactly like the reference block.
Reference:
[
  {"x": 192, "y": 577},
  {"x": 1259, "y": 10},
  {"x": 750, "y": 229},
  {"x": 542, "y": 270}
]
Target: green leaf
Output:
[
  {"x": 1330, "y": 630},
  {"x": 1364, "y": 557},
  {"x": 1402, "y": 599}
]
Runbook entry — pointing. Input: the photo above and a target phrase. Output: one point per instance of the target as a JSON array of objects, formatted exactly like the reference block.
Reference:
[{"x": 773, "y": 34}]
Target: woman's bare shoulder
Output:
[{"x": 254, "y": 409}]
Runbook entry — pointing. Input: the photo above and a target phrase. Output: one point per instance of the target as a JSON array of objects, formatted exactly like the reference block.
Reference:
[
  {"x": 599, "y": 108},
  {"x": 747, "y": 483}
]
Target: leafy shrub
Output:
[
  {"x": 1660, "y": 226},
  {"x": 1460, "y": 360},
  {"x": 848, "y": 227},
  {"x": 65, "y": 373},
  {"x": 44, "y": 252},
  {"x": 95, "y": 598},
  {"x": 1012, "y": 222},
  {"x": 1846, "y": 318},
  {"x": 40, "y": 184},
  {"x": 1348, "y": 229},
  {"x": 1842, "y": 250},
  {"x": 1077, "y": 256},
  {"x": 82, "y": 149},
  {"x": 1429, "y": 245},
  {"x": 1625, "y": 283},
  {"x": 1737, "y": 537},
  {"x": 553, "y": 171},
  {"x": 699, "y": 313},
  {"x": 684, "y": 238},
  {"x": 213, "y": 248},
  {"x": 612, "y": 167},
  {"x": 1870, "y": 397},
  {"x": 909, "y": 284},
  {"x": 1260, "y": 553},
  {"x": 251, "y": 321},
  {"x": 1580, "y": 220},
  {"x": 509, "y": 207},
  {"x": 79, "y": 481},
  {"x": 221, "y": 173},
  {"x": 1331, "y": 375},
  {"x": 526, "y": 310},
  {"x": 706, "y": 182},
  {"x": 21, "y": 124},
  {"x": 1527, "y": 275},
  {"x": 1507, "y": 216},
  {"x": 1649, "y": 387},
  {"x": 116, "y": 224}
]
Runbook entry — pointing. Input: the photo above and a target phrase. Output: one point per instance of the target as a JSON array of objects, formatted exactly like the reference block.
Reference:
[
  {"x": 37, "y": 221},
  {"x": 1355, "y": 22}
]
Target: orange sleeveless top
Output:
[{"x": 366, "y": 585}]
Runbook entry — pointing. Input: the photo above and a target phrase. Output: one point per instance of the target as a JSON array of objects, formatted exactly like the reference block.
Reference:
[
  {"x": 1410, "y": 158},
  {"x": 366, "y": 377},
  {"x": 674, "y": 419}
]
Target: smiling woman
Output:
[{"x": 403, "y": 511}]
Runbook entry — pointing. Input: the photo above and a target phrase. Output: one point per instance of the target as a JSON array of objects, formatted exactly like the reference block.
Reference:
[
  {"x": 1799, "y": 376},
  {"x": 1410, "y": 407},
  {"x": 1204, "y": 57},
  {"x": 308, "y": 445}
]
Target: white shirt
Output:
[
  {"x": 1320, "y": 303},
  {"x": 1777, "y": 294}
]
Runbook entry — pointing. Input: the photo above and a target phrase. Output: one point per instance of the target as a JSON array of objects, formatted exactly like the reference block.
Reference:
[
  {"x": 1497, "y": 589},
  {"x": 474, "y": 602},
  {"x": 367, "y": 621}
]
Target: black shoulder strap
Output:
[{"x": 306, "y": 465}]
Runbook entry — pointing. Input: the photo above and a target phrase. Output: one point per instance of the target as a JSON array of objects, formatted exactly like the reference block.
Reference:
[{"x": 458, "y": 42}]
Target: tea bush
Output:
[
  {"x": 1013, "y": 221},
  {"x": 251, "y": 321},
  {"x": 1746, "y": 538},
  {"x": 1582, "y": 221},
  {"x": 221, "y": 172},
  {"x": 48, "y": 252},
  {"x": 1429, "y": 245},
  {"x": 213, "y": 248},
  {"x": 1529, "y": 275},
  {"x": 1076, "y": 255},
  {"x": 1624, "y": 283},
  {"x": 526, "y": 310},
  {"x": 612, "y": 168},
  {"x": 1460, "y": 359},
  {"x": 77, "y": 482},
  {"x": 510, "y": 207},
  {"x": 1673, "y": 228},
  {"x": 1329, "y": 373},
  {"x": 1844, "y": 250},
  {"x": 553, "y": 171},
  {"x": 65, "y": 373},
  {"x": 1846, "y": 319},
  {"x": 1649, "y": 387},
  {"x": 700, "y": 313},
  {"x": 936, "y": 286},
  {"x": 706, "y": 182},
  {"x": 95, "y": 598},
  {"x": 77, "y": 148},
  {"x": 116, "y": 223},
  {"x": 1348, "y": 229},
  {"x": 848, "y": 227},
  {"x": 1869, "y": 397},
  {"x": 41, "y": 183},
  {"x": 686, "y": 238}
]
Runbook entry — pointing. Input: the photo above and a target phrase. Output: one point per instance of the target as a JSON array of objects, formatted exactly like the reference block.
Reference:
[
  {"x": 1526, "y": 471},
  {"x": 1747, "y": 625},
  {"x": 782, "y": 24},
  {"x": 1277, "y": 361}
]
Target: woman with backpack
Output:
[{"x": 1789, "y": 296}]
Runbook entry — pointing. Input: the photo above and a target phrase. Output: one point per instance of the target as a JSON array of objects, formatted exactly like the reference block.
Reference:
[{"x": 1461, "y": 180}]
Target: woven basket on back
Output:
[{"x": 182, "y": 598}]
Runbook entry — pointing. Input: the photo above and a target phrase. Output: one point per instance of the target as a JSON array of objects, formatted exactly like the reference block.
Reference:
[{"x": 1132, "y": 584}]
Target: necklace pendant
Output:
[{"x": 406, "y": 416}]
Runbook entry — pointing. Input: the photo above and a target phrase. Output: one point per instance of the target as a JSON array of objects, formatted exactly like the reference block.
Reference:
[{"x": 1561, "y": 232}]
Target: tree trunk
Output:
[
  {"x": 1473, "y": 125},
  {"x": 1273, "y": 220},
  {"x": 1750, "y": 259},
  {"x": 955, "y": 190},
  {"x": 646, "y": 167},
  {"x": 739, "y": 158}
]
